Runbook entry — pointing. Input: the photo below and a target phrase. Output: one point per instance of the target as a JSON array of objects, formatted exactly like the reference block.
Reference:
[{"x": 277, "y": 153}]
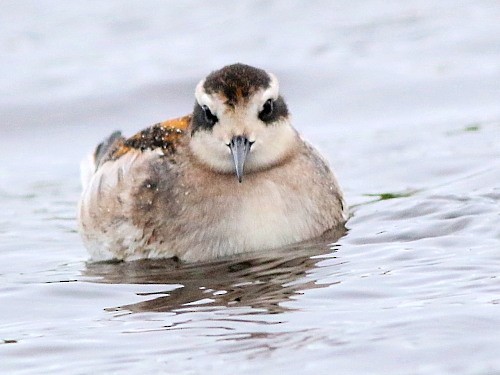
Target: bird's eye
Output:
[
  {"x": 267, "y": 110},
  {"x": 210, "y": 118}
]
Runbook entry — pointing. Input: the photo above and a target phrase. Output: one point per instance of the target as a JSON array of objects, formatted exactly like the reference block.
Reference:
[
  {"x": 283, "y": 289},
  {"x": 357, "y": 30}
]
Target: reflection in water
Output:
[{"x": 258, "y": 280}]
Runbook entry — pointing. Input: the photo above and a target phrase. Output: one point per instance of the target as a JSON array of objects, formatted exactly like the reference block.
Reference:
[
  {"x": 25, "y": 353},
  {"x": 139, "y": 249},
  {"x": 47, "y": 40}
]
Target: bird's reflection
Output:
[{"x": 260, "y": 280}]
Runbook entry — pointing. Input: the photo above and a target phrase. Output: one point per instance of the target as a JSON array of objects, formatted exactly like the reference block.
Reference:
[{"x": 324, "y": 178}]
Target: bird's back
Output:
[{"x": 117, "y": 180}]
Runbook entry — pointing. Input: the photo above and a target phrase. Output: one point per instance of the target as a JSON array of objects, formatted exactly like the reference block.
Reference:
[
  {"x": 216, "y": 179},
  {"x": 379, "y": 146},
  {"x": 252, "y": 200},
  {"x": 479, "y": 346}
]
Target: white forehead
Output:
[
  {"x": 272, "y": 92},
  {"x": 201, "y": 96}
]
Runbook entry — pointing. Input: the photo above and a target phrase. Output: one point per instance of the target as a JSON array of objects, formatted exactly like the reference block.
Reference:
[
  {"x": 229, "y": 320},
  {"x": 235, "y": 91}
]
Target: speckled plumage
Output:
[{"x": 172, "y": 191}]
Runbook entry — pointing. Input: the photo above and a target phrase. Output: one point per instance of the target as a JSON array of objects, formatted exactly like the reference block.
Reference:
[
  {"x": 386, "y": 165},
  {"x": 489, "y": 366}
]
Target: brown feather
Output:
[{"x": 164, "y": 135}]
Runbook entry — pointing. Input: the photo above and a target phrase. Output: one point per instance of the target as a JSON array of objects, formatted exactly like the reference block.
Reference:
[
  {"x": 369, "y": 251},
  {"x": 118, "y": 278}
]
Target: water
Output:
[{"x": 402, "y": 98}]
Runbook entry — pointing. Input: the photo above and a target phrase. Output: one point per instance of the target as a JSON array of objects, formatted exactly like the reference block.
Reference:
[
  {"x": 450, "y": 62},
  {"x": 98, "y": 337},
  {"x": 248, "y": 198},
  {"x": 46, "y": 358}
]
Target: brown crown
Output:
[{"x": 237, "y": 82}]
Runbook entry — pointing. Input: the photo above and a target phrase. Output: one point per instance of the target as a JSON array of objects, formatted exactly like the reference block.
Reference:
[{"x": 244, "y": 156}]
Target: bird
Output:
[{"x": 232, "y": 177}]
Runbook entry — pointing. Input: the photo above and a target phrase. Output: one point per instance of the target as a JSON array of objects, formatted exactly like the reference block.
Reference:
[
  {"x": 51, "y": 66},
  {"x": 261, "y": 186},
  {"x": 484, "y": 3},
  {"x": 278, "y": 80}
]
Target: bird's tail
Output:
[{"x": 91, "y": 162}]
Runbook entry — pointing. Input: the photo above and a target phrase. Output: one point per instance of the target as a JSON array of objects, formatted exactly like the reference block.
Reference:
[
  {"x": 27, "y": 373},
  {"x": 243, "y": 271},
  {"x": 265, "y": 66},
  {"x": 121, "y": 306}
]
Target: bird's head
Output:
[{"x": 240, "y": 122}]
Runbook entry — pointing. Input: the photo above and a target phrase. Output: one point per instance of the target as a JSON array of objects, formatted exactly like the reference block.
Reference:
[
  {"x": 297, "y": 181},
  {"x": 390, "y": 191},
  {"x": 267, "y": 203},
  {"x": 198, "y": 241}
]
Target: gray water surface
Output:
[{"x": 403, "y": 98}]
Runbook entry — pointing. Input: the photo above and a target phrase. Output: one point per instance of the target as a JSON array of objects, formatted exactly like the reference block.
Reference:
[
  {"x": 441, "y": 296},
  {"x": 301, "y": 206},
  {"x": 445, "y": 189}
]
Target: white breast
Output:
[{"x": 266, "y": 218}]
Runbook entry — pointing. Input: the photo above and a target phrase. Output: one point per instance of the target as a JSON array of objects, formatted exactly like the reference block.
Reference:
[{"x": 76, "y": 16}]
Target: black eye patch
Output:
[
  {"x": 203, "y": 118},
  {"x": 210, "y": 118},
  {"x": 273, "y": 110},
  {"x": 267, "y": 109}
]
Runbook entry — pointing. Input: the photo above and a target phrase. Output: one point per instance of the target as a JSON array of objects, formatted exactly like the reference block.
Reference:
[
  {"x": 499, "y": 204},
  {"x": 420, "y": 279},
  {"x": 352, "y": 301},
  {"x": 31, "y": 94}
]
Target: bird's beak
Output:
[{"x": 240, "y": 146}]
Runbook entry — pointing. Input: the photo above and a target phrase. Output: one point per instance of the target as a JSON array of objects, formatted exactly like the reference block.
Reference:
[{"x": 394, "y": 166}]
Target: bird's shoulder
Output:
[{"x": 165, "y": 136}]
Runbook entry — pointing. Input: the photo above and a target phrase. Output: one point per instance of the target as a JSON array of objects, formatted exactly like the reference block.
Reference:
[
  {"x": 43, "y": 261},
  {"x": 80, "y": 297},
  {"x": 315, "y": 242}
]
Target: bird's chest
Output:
[{"x": 264, "y": 215}]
